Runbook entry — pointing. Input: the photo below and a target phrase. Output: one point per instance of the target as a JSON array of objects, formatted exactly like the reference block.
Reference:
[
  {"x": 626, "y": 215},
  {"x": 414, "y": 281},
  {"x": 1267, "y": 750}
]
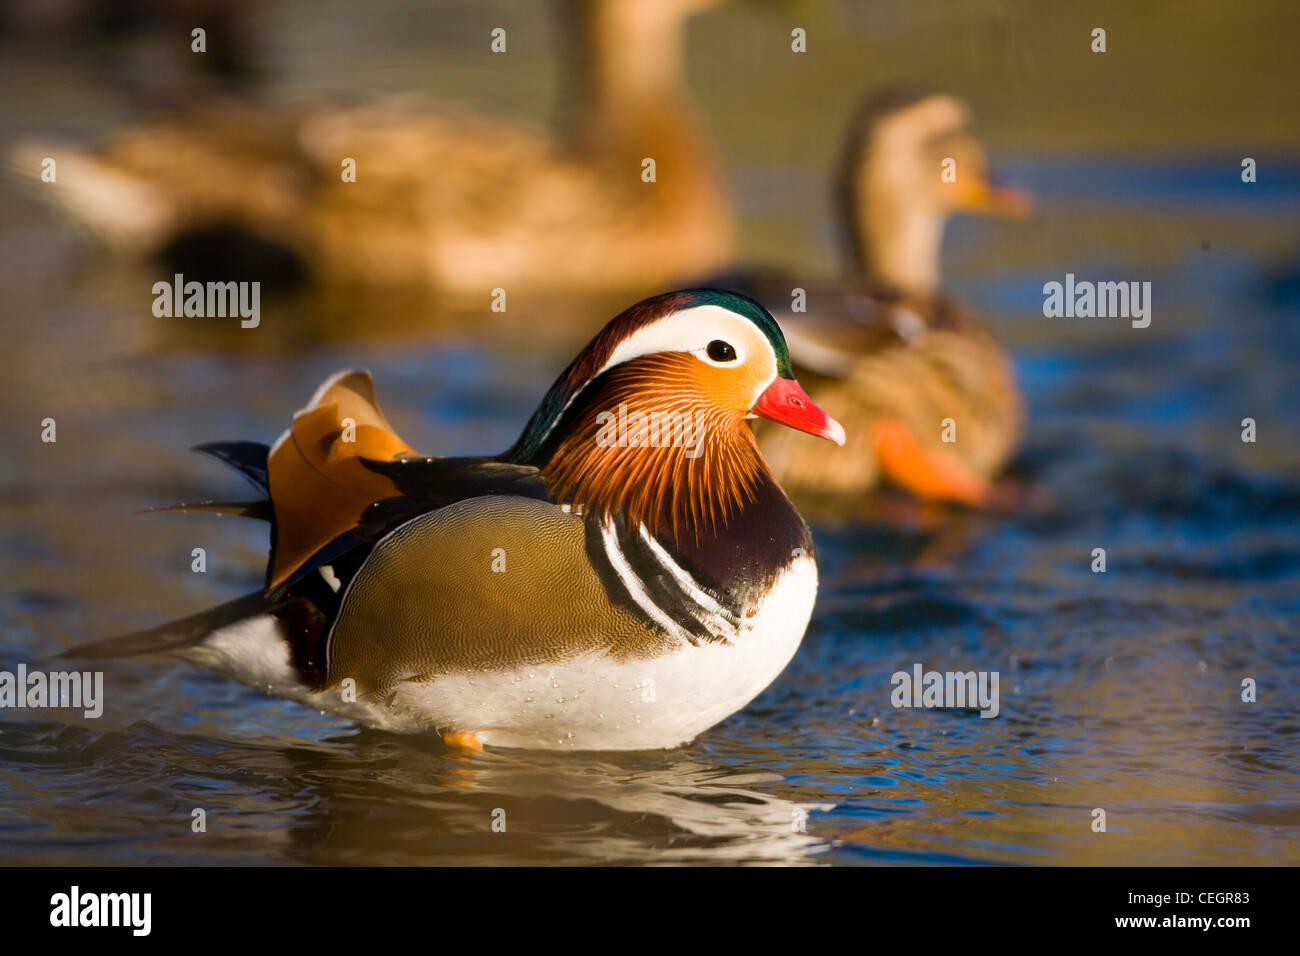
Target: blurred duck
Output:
[
  {"x": 455, "y": 201},
  {"x": 881, "y": 348},
  {"x": 589, "y": 588}
]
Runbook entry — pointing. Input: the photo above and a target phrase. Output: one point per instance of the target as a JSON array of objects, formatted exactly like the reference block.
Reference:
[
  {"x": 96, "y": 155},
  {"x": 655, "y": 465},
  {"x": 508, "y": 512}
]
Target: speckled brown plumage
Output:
[
  {"x": 900, "y": 365},
  {"x": 442, "y": 196}
]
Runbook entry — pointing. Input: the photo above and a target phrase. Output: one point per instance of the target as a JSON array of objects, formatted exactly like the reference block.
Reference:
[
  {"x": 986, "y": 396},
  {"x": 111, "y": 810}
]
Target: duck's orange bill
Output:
[
  {"x": 994, "y": 198},
  {"x": 785, "y": 402}
]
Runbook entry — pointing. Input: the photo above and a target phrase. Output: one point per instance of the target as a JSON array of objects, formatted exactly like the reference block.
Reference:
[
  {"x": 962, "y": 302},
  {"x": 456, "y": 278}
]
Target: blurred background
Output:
[{"x": 1119, "y": 690}]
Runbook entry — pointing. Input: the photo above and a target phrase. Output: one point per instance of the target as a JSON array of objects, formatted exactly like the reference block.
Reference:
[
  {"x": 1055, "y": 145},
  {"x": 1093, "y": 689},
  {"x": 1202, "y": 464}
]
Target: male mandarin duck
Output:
[
  {"x": 460, "y": 202},
  {"x": 597, "y": 586},
  {"x": 880, "y": 348}
]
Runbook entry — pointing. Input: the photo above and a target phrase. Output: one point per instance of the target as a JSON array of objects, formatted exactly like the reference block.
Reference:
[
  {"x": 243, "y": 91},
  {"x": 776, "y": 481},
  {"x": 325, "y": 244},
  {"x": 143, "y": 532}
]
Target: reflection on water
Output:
[
  {"x": 1119, "y": 690},
  {"x": 370, "y": 798}
]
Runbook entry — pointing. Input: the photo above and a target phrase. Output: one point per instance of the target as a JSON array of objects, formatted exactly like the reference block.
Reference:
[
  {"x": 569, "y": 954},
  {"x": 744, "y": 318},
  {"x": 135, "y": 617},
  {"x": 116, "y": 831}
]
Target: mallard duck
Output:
[
  {"x": 925, "y": 392},
  {"x": 625, "y": 576},
  {"x": 456, "y": 201}
]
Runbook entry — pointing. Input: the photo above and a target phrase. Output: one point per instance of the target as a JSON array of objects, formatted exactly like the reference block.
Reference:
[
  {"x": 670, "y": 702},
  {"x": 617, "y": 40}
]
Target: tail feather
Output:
[
  {"x": 178, "y": 634},
  {"x": 249, "y": 458},
  {"x": 261, "y": 510}
]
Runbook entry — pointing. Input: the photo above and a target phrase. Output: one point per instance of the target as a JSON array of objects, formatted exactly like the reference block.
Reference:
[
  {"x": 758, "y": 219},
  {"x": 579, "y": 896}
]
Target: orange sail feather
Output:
[{"x": 319, "y": 487}]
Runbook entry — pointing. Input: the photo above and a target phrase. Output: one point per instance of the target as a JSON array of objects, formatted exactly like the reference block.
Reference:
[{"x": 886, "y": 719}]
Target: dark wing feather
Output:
[
  {"x": 442, "y": 481},
  {"x": 246, "y": 457}
]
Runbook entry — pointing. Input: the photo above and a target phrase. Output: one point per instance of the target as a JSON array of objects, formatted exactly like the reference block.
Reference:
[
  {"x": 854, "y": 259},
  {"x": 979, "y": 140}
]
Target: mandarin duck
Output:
[
  {"x": 625, "y": 576},
  {"x": 927, "y": 394},
  {"x": 438, "y": 197}
]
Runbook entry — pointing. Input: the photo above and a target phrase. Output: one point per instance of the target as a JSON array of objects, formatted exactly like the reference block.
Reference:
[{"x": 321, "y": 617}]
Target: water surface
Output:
[{"x": 1119, "y": 690}]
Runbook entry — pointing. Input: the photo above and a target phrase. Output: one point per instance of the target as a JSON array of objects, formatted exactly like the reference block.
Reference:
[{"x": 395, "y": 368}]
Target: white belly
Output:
[
  {"x": 593, "y": 703},
  {"x": 585, "y": 703}
]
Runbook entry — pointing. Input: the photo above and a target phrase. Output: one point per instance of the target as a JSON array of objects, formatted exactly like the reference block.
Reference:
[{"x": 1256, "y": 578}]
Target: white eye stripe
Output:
[{"x": 690, "y": 330}]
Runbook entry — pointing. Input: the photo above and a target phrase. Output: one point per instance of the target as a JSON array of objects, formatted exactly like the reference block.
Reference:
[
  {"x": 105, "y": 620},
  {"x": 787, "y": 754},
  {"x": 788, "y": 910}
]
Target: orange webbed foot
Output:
[
  {"x": 458, "y": 740},
  {"x": 924, "y": 471}
]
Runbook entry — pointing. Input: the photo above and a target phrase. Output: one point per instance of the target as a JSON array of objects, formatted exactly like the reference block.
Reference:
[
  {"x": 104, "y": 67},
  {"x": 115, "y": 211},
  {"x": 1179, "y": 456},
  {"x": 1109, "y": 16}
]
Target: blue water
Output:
[{"x": 1119, "y": 691}]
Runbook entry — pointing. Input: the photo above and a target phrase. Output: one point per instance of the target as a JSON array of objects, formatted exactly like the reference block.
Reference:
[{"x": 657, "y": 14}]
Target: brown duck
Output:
[
  {"x": 926, "y": 394},
  {"x": 442, "y": 198}
]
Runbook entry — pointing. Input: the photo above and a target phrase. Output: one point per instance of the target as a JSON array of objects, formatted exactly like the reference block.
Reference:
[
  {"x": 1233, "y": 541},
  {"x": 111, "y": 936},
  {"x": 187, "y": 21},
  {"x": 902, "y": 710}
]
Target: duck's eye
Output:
[{"x": 721, "y": 351}]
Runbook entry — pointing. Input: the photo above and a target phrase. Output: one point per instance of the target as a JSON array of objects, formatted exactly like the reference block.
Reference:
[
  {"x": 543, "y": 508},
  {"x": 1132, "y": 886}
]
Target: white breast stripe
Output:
[
  {"x": 332, "y": 579},
  {"x": 635, "y": 589},
  {"x": 683, "y": 578}
]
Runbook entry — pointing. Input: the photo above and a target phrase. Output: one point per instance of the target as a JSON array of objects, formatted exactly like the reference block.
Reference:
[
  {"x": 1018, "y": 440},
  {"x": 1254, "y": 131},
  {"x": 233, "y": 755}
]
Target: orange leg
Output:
[
  {"x": 457, "y": 740},
  {"x": 926, "y": 472}
]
